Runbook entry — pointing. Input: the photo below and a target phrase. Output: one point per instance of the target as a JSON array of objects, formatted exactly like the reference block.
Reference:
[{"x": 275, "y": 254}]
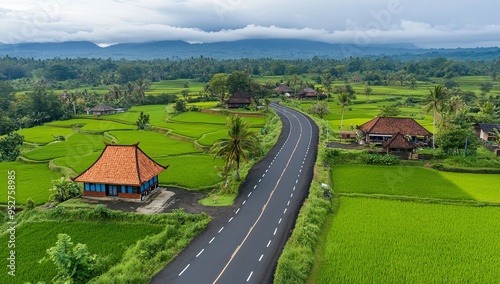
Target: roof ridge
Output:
[{"x": 136, "y": 147}]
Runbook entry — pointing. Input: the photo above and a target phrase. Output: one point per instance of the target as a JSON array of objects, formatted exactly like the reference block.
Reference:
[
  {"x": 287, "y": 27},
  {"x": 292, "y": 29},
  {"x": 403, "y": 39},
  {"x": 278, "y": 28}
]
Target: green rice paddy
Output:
[{"x": 382, "y": 241}]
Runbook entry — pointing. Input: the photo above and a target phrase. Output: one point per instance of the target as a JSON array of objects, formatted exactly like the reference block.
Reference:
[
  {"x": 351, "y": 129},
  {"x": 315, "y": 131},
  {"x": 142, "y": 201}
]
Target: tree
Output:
[
  {"x": 343, "y": 101},
  {"x": 10, "y": 146},
  {"x": 319, "y": 108},
  {"x": 389, "y": 111},
  {"x": 239, "y": 144},
  {"x": 453, "y": 140},
  {"x": 485, "y": 87},
  {"x": 185, "y": 94},
  {"x": 327, "y": 82},
  {"x": 141, "y": 86},
  {"x": 64, "y": 189},
  {"x": 238, "y": 81},
  {"x": 436, "y": 98},
  {"x": 368, "y": 92},
  {"x": 74, "y": 264},
  {"x": 180, "y": 106},
  {"x": 217, "y": 86},
  {"x": 142, "y": 121}
]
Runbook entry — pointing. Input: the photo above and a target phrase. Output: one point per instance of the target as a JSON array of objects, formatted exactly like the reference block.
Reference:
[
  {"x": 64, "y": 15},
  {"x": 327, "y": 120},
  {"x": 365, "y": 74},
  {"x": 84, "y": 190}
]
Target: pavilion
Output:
[{"x": 121, "y": 171}]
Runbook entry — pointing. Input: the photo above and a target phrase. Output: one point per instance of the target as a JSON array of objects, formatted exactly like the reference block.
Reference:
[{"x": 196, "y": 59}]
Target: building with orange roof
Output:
[
  {"x": 382, "y": 129},
  {"x": 123, "y": 171}
]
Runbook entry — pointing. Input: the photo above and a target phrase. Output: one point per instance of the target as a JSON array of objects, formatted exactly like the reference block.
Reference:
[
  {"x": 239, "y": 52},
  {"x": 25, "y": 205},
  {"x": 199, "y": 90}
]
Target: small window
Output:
[
  {"x": 129, "y": 189},
  {"x": 87, "y": 187},
  {"x": 92, "y": 187},
  {"x": 124, "y": 189}
]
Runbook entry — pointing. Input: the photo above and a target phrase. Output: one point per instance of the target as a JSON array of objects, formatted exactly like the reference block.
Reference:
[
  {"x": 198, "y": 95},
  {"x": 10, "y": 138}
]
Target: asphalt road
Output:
[{"x": 244, "y": 246}]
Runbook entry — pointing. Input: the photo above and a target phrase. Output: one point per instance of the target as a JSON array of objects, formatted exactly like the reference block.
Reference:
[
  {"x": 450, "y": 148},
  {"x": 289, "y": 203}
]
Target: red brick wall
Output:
[
  {"x": 93, "y": 193},
  {"x": 129, "y": 195}
]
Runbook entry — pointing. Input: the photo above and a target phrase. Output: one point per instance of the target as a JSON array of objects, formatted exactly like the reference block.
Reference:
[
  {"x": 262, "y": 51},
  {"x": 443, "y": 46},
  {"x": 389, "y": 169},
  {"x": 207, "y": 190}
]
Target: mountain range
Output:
[{"x": 252, "y": 48}]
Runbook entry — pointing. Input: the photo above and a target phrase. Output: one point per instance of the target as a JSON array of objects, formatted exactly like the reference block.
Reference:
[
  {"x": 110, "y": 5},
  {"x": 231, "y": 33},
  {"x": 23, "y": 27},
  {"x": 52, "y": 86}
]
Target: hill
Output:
[{"x": 252, "y": 48}]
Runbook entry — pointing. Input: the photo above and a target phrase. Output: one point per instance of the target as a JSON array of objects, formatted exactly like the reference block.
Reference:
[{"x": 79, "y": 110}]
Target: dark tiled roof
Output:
[
  {"x": 240, "y": 97},
  {"x": 391, "y": 125},
  {"x": 488, "y": 127},
  {"x": 398, "y": 141},
  {"x": 101, "y": 108},
  {"x": 122, "y": 165}
]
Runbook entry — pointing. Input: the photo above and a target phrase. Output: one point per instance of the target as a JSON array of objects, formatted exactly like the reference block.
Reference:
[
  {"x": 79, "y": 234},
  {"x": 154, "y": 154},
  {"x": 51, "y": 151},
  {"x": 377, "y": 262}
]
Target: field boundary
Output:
[{"x": 404, "y": 198}]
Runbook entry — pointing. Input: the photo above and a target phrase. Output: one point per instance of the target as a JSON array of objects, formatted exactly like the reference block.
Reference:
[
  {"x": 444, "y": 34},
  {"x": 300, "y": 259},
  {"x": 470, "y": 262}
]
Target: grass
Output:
[
  {"x": 221, "y": 200},
  {"x": 43, "y": 134},
  {"x": 381, "y": 241},
  {"x": 190, "y": 171},
  {"x": 200, "y": 117},
  {"x": 392, "y": 180},
  {"x": 155, "y": 144},
  {"x": 105, "y": 239},
  {"x": 32, "y": 181},
  {"x": 78, "y": 163},
  {"x": 76, "y": 145},
  {"x": 93, "y": 125},
  {"x": 482, "y": 187}
]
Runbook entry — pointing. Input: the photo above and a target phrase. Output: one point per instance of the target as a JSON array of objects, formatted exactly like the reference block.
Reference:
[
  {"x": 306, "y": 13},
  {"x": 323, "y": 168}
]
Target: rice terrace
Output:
[{"x": 396, "y": 171}]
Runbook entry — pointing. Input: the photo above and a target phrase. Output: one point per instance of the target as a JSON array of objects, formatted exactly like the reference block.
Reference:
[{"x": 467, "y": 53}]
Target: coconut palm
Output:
[
  {"x": 344, "y": 99},
  {"x": 436, "y": 98},
  {"x": 141, "y": 86},
  {"x": 240, "y": 143}
]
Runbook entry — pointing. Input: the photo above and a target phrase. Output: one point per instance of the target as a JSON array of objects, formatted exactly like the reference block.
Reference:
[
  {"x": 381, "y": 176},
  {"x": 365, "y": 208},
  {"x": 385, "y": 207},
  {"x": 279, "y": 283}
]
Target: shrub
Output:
[
  {"x": 376, "y": 159},
  {"x": 30, "y": 204}
]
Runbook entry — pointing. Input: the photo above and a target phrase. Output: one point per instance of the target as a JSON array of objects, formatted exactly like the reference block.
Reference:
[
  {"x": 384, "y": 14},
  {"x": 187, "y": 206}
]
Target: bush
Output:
[
  {"x": 30, "y": 204},
  {"x": 376, "y": 159}
]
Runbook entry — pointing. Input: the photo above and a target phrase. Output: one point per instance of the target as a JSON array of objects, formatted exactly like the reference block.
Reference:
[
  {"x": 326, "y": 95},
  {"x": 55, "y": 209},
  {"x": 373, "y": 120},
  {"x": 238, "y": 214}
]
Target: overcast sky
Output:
[{"x": 426, "y": 23}]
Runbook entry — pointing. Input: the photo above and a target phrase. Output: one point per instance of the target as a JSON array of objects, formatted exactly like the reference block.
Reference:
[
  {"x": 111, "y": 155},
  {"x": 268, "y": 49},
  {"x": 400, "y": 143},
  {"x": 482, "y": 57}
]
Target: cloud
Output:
[{"x": 341, "y": 21}]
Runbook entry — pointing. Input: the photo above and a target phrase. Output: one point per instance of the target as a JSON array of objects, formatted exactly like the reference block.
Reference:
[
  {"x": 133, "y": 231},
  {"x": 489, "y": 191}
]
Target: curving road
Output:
[{"x": 244, "y": 246}]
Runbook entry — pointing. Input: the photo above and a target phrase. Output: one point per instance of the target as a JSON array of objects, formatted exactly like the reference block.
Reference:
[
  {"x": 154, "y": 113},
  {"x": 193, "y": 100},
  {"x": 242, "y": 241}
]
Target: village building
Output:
[
  {"x": 101, "y": 110},
  {"x": 383, "y": 129},
  {"x": 240, "y": 99},
  {"x": 486, "y": 131},
  {"x": 307, "y": 93},
  {"x": 283, "y": 89},
  {"x": 123, "y": 171}
]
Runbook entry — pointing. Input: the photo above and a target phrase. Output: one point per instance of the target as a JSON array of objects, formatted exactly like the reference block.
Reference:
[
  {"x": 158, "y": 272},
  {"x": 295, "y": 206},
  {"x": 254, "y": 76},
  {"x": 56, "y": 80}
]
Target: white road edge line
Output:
[
  {"x": 261, "y": 256},
  {"x": 244, "y": 201},
  {"x": 275, "y": 230},
  {"x": 237, "y": 211},
  {"x": 249, "y": 194},
  {"x": 279, "y": 222},
  {"x": 285, "y": 210},
  {"x": 268, "y": 244},
  {"x": 211, "y": 240},
  {"x": 221, "y": 229},
  {"x": 231, "y": 219}
]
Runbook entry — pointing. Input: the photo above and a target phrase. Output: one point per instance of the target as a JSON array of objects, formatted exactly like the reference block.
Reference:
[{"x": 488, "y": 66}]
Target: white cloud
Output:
[{"x": 426, "y": 22}]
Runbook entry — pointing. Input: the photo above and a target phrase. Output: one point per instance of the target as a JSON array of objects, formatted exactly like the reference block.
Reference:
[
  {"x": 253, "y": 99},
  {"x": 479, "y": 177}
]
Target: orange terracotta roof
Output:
[
  {"x": 121, "y": 165},
  {"x": 391, "y": 125}
]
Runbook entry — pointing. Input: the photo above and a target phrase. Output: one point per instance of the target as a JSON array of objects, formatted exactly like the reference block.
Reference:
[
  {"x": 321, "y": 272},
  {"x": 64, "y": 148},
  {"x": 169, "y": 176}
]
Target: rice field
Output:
[
  {"x": 382, "y": 241},
  {"x": 105, "y": 239},
  {"x": 93, "y": 125},
  {"x": 481, "y": 187},
  {"x": 399, "y": 181},
  {"x": 32, "y": 181},
  {"x": 43, "y": 134}
]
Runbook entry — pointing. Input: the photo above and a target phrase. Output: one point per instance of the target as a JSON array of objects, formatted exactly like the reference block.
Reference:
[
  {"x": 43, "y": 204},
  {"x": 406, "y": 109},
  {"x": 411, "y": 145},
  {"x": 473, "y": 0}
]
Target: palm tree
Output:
[
  {"x": 344, "y": 99},
  {"x": 141, "y": 86},
  {"x": 436, "y": 98},
  {"x": 239, "y": 144}
]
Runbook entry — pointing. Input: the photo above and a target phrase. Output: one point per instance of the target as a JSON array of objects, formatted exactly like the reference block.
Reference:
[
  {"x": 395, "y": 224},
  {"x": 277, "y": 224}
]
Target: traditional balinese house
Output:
[
  {"x": 307, "y": 93},
  {"x": 240, "y": 99},
  {"x": 381, "y": 129},
  {"x": 348, "y": 135},
  {"x": 122, "y": 171},
  {"x": 283, "y": 89},
  {"x": 101, "y": 110},
  {"x": 486, "y": 131},
  {"x": 398, "y": 143}
]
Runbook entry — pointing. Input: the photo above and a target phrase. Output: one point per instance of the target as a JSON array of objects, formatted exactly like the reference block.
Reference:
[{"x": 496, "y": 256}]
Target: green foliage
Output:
[
  {"x": 10, "y": 146},
  {"x": 30, "y": 204},
  {"x": 377, "y": 159},
  {"x": 319, "y": 108},
  {"x": 389, "y": 111},
  {"x": 381, "y": 241},
  {"x": 180, "y": 106},
  {"x": 74, "y": 264},
  {"x": 64, "y": 189},
  {"x": 143, "y": 121},
  {"x": 240, "y": 143},
  {"x": 453, "y": 139}
]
